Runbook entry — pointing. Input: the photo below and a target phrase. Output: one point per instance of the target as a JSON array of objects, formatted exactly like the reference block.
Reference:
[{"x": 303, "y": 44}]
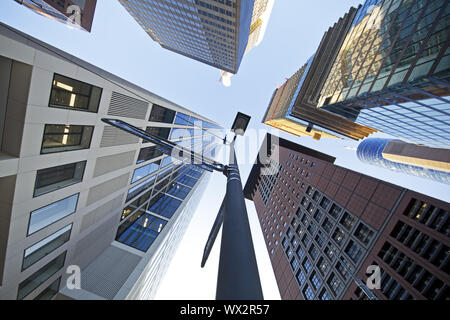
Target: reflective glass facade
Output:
[
  {"x": 370, "y": 151},
  {"x": 392, "y": 71},
  {"x": 213, "y": 32}
]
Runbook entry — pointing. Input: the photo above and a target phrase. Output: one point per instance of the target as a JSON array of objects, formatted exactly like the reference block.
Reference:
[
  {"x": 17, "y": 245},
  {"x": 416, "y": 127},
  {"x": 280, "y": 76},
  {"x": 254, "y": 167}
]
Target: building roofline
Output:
[
  {"x": 16, "y": 35},
  {"x": 253, "y": 178}
]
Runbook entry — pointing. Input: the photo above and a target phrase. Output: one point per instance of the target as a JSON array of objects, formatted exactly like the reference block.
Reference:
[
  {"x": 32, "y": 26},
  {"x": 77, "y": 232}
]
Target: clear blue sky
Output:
[{"x": 118, "y": 45}]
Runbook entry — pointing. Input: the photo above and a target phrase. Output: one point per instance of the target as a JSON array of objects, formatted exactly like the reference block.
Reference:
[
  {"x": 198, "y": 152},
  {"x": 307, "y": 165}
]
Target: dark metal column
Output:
[{"x": 238, "y": 277}]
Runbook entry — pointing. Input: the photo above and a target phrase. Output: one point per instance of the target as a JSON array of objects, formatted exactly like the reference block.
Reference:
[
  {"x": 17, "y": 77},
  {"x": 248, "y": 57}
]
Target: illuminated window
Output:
[{"x": 74, "y": 94}]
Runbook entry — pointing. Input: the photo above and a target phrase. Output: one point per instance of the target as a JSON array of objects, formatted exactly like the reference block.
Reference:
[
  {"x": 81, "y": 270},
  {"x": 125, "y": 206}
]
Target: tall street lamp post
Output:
[{"x": 238, "y": 276}]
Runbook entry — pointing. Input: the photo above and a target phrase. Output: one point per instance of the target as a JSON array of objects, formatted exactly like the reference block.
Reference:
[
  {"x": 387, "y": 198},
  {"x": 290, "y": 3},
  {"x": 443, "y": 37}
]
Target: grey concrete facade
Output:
[{"x": 27, "y": 72}]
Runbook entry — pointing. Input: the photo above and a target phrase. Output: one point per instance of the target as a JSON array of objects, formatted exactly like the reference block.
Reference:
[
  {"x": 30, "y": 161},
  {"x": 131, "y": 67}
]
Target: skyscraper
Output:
[
  {"x": 292, "y": 107},
  {"x": 392, "y": 71},
  {"x": 386, "y": 69},
  {"x": 209, "y": 31},
  {"x": 324, "y": 225},
  {"x": 430, "y": 163},
  {"x": 76, "y": 13},
  {"x": 80, "y": 194}
]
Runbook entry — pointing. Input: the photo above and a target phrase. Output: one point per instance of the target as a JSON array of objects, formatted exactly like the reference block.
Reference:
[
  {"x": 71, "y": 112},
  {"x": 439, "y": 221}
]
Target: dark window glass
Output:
[
  {"x": 353, "y": 251},
  {"x": 334, "y": 211},
  {"x": 49, "y": 292},
  {"x": 178, "y": 190},
  {"x": 148, "y": 154},
  {"x": 158, "y": 131},
  {"x": 186, "y": 180},
  {"x": 348, "y": 221},
  {"x": 61, "y": 137},
  {"x": 140, "y": 187},
  {"x": 55, "y": 178},
  {"x": 165, "y": 206},
  {"x": 140, "y": 231},
  {"x": 161, "y": 114},
  {"x": 338, "y": 235},
  {"x": 363, "y": 233},
  {"x": 71, "y": 93},
  {"x": 315, "y": 280},
  {"x": 46, "y": 246},
  {"x": 308, "y": 293},
  {"x": 40, "y": 276},
  {"x": 324, "y": 295},
  {"x": 129, "y": 209}
]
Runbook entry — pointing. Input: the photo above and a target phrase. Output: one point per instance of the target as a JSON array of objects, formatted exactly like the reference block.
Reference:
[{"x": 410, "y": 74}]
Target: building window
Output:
[
  {"x": 164, "y": 205},
  {"x": 307, "y": 265},
  {"x": 46, "y": 246},
  {"x": 178, "y": 190},
  {"x": 300, "y": 252},
  {"x": 325, "y": 202},
  {"x": 315, "y": 280},
  {"x": 161, "y": 114},
  {"x": 342, "y": 270},
  {"x": 51, "y": 213},
  {"x": 158, "y": 131},
  {"x": 363, "y": 233},
  {"x": 334, "y": 211},
  {"x": 145, "y": 171},
  {"x": 129, "y": 209},
  {"x": 308, "y": 294},
  {"x": 353, "y": 251},
  {"x": 316, "y": 196},
  {"x": 324, "y": 295},
  {"x": 348, "y": 221},
  {"x": 55, "y": 178},
  {"x": 36, "y": 279},
  {"x": 294, "y": 263},
  {"x": 323, "y": 266},
  {"x": 182, "y": 119},
  {"x": 327, "y": 225},
  {"x": 74, "y": 94},
  {"x": 338, "y": 236},
  {"x": 301, "y": 277},
  {"x": 140, "y": 231},
  {"x": 313, "y": 252},
  {"x": 140, "y": 187},
  {"x": 320, "y": 239},
  {"x": 61, "y": 137},
  {"x": 147, "y": 154},
  {"x": 49, "y": 292},
  {"x": 335, "y": 284}
]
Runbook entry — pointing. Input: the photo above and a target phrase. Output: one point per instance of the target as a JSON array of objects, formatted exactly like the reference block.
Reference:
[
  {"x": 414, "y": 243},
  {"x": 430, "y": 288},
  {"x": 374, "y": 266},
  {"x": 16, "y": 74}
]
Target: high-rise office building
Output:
[
  {"x": 396, "y": 155},
  {"x": 76, "y": 13},
  {"x": 324, "y": 224},
  {"x": 392, "y": 71},
  {"x": 386, "y": 69},
  {"x": 77, "y": 192},
  {"x": 209, "y": 31},
  {"x": 260, "y": 19},
  {"x": 292, "y": 107}
]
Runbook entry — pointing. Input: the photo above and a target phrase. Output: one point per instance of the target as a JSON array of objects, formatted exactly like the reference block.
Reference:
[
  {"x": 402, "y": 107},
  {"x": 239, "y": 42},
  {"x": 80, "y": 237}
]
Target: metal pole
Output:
[{"x": 238, "y": 277}]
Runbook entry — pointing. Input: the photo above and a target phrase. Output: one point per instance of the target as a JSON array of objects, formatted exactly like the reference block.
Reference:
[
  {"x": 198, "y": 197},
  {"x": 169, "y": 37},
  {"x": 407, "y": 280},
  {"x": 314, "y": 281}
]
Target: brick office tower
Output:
[{"x": 322, "y": 222}]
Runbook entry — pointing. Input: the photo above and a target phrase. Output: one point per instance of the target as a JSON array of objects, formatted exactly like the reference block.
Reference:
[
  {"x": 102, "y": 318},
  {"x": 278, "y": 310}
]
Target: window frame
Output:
[
  {"x": 59, "y": 188},
  {"x": 30, "y": 214},
  {"x": 57, "y": 106},
  {"x": 52, "y": 152}
]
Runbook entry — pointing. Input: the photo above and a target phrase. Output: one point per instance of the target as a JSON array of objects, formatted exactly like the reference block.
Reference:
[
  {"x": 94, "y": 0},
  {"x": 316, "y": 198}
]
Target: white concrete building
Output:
[{"x": 76, "y": 192}]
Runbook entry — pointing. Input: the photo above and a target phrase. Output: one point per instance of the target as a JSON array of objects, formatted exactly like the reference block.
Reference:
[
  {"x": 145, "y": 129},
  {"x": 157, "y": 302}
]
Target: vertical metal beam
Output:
[{"x": 238, "y": 277}]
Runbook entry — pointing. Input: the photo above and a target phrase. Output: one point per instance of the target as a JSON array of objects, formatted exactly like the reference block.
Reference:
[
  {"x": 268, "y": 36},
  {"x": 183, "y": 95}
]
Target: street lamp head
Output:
[{"x": 240, "y": 124}]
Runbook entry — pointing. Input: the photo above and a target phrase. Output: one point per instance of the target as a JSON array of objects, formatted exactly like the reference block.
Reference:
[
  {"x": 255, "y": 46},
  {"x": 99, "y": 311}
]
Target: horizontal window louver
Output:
[{"x": 124, "y": 106}]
